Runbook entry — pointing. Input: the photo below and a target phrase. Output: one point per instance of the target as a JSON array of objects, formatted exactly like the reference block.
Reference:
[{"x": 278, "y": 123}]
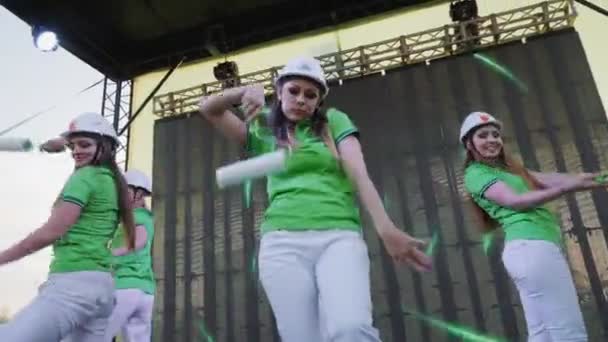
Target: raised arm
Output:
[
  {"x": 54, "y": 145},
  {"x": 401, "y": 246},
  {"x": 217, "y": 109}
]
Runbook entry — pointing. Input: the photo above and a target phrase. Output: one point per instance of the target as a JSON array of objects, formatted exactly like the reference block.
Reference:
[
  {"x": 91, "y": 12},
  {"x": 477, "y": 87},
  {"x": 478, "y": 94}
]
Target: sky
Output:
[{"x": 32, "y": 81}]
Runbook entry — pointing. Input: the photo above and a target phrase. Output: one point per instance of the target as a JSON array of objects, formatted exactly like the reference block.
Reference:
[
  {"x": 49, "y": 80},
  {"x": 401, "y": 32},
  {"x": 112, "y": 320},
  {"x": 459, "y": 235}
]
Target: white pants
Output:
[
  {"x": 71, "y": 306},
  {"x": 546, "y": 290},
  {"x": 317, "y": 283},
  {"x": 133, "y": 315}
]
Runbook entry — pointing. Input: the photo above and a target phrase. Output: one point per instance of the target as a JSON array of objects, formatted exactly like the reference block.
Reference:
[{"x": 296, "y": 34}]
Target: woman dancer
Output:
[
  {"x": 505, "y": 194},
  {"x": 135, "y": 283},
  {"x": 313, "y": 261},
  {"x": 75, "y": 302}
]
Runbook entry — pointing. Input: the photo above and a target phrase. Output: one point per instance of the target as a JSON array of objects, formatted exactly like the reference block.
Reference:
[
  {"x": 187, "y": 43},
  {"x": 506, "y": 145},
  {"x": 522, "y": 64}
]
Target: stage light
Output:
[
  {"x": 463, "y": 10},
  {"x": 227, "y": 73},
  {"x": 44, "y": 39}
]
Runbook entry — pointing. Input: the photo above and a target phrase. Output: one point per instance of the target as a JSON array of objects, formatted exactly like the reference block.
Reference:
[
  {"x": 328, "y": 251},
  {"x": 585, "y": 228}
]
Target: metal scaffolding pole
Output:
[{"x": 116, "y": 107}]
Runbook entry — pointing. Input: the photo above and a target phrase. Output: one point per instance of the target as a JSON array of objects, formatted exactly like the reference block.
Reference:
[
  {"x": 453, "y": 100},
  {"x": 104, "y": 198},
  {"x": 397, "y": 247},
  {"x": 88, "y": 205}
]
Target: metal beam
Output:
[
  {"x": 593, "y": 6},
  {"x": 116, "y": 107},
  {"x": 150, "y": 96}
]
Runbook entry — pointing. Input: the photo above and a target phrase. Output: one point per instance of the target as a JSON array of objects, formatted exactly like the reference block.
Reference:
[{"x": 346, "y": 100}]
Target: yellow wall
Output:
[{"x": 591, "y": 26}]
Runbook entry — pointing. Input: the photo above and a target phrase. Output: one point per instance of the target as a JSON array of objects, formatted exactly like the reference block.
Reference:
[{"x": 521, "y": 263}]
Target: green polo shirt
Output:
[
  {"x": 532, "y": 224},
  {"x": 84, "y": 246},
  {"x": 134, "y": 270},
  {"x": 314, "y": 192}
]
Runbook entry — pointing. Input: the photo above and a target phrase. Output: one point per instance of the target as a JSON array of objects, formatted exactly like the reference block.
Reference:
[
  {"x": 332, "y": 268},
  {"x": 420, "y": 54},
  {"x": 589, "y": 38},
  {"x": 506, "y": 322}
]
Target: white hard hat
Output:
[
  {"x": 475, "y": 120},
  {"x": 138, "y": 179},
  {"x": 306, "y": 67},
  {"x": 92, "y": 123}
]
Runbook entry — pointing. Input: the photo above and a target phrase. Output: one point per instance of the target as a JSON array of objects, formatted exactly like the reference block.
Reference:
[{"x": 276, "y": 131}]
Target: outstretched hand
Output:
[
  {"x": 403, "y": 248},
  {"x": 55, "y": 145},
  {"x": 584, "y": 181},
  {"x": 252, "y": 101},
  {"x": 593, "y": 180}
]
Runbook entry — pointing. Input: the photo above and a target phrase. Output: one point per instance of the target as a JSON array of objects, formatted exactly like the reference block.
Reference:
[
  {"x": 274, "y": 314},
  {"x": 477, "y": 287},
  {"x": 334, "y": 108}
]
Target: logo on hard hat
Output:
[
  {"x": 484, "y": 117},
  {"x": 72, "y": 126},
  {"x": 305, "y": 67}
]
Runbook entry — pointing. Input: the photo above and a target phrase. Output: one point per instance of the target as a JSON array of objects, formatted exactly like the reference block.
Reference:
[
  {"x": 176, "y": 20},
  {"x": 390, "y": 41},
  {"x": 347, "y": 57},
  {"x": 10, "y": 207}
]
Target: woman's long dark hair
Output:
[
  {"x": 106, "y": 156},
  {"x": 281, "y": 125},
  {"x": 509, "y": 164}
]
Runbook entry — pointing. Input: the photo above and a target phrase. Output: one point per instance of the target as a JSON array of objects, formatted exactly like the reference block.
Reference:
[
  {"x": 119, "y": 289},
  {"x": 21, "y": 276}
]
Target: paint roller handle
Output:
[
  {"x": 15, "y": 144},
  {"x": 252, "y": 168},
  {"x": 55, "y": 145}
]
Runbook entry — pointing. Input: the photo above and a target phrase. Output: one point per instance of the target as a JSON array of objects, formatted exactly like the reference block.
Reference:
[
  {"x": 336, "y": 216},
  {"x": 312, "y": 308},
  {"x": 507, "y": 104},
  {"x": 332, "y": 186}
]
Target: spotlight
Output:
[
  {"x": 44, "y": 39},
  {"x": 463, "y": 10},
  {"x": 227, "y": 73}
]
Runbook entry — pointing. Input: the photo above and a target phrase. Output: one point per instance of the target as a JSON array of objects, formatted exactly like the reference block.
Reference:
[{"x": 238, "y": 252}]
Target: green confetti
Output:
[
  {"x": 487, "y": 242},
  {"x": 386, "y": 201},
  {"x": 430, "y": 249},
  {"x": 492, "y": 64},
  {"x": 247, "y": 186},
  {"x": 254, "y": 265},
  {"x": 460, "y": 331},
  {"x": 602, "y": 178},
  {"x": 205, "y": 336}
]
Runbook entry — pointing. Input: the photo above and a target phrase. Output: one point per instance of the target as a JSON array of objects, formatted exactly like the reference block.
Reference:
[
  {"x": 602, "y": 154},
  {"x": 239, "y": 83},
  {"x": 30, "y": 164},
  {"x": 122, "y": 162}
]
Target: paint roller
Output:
[
  {"x": 260, "y": 166},
  {"x": 15, "y": 144}
]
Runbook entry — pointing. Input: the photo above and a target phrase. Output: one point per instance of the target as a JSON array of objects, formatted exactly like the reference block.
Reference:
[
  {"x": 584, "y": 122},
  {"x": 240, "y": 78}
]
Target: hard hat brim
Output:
[
  {"x": 321, "y": 83},
  {"x": 137, "y": 186},
  {"x": 496, "y": 123},
  {"x": 67, "y": 134}
]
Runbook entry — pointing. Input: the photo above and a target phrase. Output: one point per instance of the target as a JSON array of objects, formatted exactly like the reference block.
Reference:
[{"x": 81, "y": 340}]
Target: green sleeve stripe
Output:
[
  {"x": 345, "y": 134},
  {"x": 73, "y": 200},
  {"x": 487, "y": 186}
]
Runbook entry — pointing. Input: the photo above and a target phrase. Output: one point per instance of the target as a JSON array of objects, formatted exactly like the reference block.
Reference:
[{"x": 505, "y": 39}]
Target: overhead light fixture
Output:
[
  {"x": 44, "y": 39},
  {"x": 227, "y": 73},
  {"x": 463, "y": 10}
]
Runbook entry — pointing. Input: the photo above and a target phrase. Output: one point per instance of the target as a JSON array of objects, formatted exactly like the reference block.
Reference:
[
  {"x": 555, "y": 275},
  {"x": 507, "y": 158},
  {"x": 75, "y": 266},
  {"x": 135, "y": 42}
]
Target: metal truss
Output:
[
  {"x": 447, "y": 40},
  {"x": 116, "y": 107}
]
